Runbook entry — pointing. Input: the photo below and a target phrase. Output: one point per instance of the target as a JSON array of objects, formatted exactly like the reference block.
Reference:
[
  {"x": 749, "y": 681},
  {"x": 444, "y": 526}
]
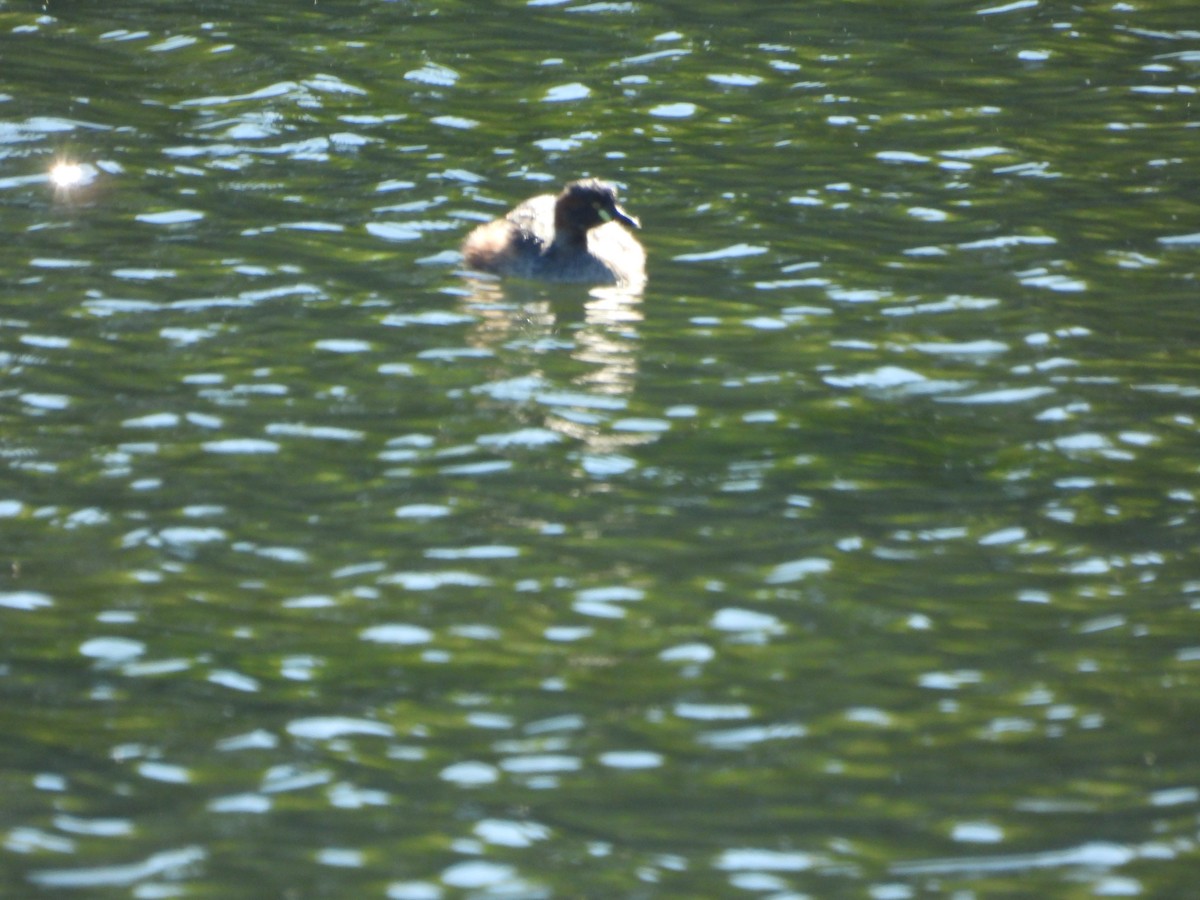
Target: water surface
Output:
[{"x": 855, "y": 557}]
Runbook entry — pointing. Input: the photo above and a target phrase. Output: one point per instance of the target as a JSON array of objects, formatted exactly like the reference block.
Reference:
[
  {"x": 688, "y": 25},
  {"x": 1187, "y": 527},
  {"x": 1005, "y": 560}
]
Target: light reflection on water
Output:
[{"x": 855, "y": 552}]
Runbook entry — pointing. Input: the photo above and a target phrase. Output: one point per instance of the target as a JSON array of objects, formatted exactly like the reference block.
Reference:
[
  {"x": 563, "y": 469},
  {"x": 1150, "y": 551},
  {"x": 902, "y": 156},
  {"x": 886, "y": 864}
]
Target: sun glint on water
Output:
[{"x": 66, "y": 175}]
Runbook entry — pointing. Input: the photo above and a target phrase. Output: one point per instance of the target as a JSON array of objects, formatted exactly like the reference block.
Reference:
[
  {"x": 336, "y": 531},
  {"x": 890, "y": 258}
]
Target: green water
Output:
[{"x": 854, "y": 558}]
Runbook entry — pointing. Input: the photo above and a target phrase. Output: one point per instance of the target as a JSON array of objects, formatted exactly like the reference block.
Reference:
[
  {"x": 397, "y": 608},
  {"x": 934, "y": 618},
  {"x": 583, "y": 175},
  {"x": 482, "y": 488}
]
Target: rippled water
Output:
[{"x": 855, "y": 557}]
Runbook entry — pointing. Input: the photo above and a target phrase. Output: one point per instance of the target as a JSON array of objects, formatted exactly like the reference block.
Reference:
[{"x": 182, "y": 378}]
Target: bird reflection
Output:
[
  {"x": 522, "y": 326},
  {"x": 607, "y": 341}
]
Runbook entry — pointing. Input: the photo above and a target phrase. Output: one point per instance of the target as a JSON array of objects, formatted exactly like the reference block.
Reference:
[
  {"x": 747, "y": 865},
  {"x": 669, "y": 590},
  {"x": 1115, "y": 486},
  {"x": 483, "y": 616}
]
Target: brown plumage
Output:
[{"x": 572, "y": 237}]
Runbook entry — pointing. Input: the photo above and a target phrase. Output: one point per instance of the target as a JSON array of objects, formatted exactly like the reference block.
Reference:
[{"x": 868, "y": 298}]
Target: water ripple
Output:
[{"x": 166, "y": 862}]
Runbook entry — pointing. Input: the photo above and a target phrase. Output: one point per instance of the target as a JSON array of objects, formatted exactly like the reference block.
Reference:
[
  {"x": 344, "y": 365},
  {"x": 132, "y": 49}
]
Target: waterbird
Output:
[{"x": 574, "y": 236}]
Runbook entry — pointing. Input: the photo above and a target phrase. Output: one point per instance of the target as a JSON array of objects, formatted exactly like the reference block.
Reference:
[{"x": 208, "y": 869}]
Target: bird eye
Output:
[{"x": 604, "y": 214}]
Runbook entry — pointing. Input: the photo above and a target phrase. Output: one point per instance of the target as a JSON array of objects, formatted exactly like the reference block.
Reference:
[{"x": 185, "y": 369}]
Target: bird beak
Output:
[{"x": 623, "y": 217}]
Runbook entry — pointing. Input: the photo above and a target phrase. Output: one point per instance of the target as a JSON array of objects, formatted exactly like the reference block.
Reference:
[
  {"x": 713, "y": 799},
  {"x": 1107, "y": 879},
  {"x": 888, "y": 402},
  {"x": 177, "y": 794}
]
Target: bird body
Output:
[{"x": 576, "y": 236}]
